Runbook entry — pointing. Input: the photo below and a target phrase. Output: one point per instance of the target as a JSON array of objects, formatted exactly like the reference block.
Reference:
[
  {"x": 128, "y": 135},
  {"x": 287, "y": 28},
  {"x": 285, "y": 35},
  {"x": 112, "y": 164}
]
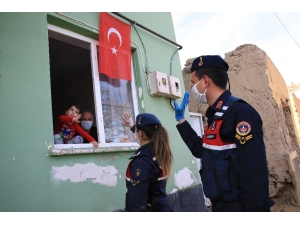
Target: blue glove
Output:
[{"x": 179, "y": 110}]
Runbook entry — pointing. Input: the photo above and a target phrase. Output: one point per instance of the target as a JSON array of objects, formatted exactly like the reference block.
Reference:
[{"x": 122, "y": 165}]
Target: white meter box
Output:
[
  {"x": 159, "y": 84},
  {"x": 175, "y": 90}
]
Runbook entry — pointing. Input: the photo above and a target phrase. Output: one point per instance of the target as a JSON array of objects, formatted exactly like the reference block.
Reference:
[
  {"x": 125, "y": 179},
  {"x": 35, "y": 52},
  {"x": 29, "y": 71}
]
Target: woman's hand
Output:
[{"x": 127, "y": 120}]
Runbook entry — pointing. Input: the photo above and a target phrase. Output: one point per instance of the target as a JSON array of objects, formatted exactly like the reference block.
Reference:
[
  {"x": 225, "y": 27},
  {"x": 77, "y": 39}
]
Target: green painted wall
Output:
[{"x": 26, "y": 117}]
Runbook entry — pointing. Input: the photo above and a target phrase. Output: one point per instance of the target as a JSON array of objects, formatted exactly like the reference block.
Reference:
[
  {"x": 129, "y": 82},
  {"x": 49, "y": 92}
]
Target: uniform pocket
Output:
[
  {"x": 222, "y": 168},
  {"x": 210, "y": 187}
]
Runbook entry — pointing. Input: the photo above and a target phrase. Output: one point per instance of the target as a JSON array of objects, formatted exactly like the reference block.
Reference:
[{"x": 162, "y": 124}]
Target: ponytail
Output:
[{"x": 161, "y": 147}]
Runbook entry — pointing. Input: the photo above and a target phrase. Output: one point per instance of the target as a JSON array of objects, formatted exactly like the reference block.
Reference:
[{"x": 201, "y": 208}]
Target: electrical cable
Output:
[
  {"x": 145, "y": 67},
  {"x": 76, "y": 21},
  {"x": 171, "y": 61},
  {"x": 287, "y": 30}
]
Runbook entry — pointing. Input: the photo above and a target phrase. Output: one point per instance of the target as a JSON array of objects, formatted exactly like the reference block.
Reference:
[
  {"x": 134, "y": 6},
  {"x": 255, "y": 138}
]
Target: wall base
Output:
[{"x": 186, "y": 200}]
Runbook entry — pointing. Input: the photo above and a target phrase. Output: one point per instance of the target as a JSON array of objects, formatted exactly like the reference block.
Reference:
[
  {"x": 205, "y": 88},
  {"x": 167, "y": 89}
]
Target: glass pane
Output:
[{"x": 116, "y": 96}]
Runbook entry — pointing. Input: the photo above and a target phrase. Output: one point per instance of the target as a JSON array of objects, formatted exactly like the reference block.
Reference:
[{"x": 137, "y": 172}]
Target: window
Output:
[
  {"x": 75, "y": 78},
  {"x": 197, "y": 124}
]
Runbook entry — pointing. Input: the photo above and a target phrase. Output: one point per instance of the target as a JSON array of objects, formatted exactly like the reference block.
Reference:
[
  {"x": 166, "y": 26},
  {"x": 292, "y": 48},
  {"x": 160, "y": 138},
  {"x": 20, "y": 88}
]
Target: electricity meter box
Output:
[
  {"x": 159, "y": 84},
  {"x": 175, "y": 89},
  {"x": 163, "y": 85}
]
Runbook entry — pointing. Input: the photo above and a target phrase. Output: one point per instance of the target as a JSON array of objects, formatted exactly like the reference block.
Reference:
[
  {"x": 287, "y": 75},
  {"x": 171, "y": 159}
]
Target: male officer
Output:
[{"x": 234, "y": 167}]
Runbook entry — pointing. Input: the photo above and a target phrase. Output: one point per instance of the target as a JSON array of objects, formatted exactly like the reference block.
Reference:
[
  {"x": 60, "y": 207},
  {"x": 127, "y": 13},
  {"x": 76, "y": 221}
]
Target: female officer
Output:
[{"x": 150, "y": 166}]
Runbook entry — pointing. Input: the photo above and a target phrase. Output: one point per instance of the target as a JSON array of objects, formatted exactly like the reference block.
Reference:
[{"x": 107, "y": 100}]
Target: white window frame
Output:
[
  {"x": 97, "y": 95},
  {"x": 200, "y": 122},
  {"x": 199, "y": 132}
]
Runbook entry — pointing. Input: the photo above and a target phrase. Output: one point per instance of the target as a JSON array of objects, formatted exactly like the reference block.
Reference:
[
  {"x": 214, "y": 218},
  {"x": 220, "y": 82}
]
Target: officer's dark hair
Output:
[
  {"x": 217, "y": 75},
  {"x": 73, "y": 104},
  {"x": 161, "y": 146}
]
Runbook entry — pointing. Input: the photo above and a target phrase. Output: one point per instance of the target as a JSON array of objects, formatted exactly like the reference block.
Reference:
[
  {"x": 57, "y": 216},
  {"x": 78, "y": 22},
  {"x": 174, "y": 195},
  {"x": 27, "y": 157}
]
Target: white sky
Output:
[
  {"x": 218, "y": 27},
  {"x": 218, "y": 33}
]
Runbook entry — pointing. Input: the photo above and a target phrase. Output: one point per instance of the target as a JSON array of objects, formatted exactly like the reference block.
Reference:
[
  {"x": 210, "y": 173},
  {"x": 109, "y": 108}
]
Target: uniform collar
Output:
[
  {"x": 218, "y": 103},
  {"x": 221, "y": 100},
  {"x": 143, "y": 150}
]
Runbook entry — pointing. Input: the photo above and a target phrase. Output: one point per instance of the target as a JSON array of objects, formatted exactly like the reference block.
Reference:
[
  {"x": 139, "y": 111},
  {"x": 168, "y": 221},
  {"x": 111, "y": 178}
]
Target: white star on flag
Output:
[{"x": 114, "y": 50}]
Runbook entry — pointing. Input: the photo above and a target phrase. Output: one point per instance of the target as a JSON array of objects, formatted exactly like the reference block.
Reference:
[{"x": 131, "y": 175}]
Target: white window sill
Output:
[{"x": 74, "y": 149}]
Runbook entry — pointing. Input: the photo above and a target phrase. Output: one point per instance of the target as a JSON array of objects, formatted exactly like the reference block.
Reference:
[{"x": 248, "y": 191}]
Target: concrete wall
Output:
[
  {"x": 255, "y": 78},
  {"x": 34, "y": 180}
]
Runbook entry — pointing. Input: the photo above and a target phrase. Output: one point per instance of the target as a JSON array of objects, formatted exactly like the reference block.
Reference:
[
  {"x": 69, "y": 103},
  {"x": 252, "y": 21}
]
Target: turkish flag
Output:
[{"x": 114, "y": 48}]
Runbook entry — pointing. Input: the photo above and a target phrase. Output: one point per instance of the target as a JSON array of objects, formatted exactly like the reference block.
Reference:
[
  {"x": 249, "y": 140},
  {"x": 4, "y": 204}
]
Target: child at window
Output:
[{"x": 67, "y": 127}]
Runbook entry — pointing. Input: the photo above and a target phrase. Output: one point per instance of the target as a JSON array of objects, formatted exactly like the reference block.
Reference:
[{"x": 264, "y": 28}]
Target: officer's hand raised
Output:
[
  {"x": 179, "y": 110},
  {"x": 127, "y": 120}
]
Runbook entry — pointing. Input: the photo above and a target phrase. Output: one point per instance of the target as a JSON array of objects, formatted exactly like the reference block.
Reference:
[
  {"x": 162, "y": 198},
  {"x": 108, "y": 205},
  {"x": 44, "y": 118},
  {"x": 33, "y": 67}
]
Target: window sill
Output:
[{"x": 88, "y": 149}]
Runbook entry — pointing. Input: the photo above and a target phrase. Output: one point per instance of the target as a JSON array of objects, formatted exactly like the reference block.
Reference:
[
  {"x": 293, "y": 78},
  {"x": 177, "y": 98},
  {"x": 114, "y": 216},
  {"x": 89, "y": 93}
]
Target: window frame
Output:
[
  {"x": 200, "y": 132},
  {"x": 201, "y": 125},
  {"x": 102, "y": 146}
]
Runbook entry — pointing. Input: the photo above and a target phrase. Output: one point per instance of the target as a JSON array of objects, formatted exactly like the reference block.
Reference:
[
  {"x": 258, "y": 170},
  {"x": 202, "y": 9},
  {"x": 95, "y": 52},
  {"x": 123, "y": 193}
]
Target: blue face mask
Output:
[
  {"x": 199, "y": 96},
  {"x": 86, "y": 125}
]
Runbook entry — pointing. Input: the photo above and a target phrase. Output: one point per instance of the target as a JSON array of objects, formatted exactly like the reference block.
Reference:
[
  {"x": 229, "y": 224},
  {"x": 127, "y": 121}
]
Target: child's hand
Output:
[
  {"x": 77, "y": 118},
  {"x": 95, "y": 144}
]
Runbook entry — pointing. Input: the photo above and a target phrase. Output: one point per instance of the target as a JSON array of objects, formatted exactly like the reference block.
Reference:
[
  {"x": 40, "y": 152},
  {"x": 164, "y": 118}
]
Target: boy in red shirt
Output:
[{"x": 67, "y": 127}]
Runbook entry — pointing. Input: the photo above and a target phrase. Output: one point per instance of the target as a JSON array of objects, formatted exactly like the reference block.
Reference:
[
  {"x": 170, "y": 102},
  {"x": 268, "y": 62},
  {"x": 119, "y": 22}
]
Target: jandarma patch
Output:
[
  {"x": 243, "y": 128},
  {"x": 138, "y": 173}
]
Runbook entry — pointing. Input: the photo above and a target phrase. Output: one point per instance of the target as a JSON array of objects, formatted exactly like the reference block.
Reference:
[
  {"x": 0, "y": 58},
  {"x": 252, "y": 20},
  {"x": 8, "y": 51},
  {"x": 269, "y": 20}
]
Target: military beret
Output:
[
  {"x": 208, "y": 61},
  {"x": 145, "y": 119}
]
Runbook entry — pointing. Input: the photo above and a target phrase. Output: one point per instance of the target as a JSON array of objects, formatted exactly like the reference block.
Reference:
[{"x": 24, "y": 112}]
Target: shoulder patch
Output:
[
  {"x": 138, "y": 173},
  {"x": 243, "y": 128}
]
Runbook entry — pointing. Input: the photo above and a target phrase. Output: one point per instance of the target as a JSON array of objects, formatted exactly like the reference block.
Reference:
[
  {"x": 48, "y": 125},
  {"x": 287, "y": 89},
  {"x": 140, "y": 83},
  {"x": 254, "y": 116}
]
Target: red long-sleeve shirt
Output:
[{"x": 68, "y": 131}]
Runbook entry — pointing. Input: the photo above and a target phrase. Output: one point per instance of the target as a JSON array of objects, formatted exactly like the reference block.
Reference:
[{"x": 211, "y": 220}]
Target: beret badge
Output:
[{"x": 200, "y": 63}]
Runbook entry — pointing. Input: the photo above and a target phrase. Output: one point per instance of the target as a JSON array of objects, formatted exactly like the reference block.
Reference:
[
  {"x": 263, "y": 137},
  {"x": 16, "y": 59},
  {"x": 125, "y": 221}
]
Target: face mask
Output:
[
  {"x": 86, "y": 125},
  {"x": 199, "y": 96}
]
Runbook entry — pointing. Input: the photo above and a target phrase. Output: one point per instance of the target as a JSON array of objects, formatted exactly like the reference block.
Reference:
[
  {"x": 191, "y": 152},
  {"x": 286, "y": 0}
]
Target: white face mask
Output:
[
  {"x": 86, "y": 125},
  {"x": 199, "y": 96}
]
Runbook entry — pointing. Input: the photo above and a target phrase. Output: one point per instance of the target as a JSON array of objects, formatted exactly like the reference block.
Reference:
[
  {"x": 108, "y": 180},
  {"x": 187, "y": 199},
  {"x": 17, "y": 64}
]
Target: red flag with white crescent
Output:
[{"x": 114, "y": 47}]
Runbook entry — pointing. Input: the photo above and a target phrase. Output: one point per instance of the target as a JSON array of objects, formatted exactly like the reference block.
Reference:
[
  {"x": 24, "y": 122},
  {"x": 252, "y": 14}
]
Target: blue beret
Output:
[
  {"x": 206, "y": 61},
  {"x": 145, "y": 119}
]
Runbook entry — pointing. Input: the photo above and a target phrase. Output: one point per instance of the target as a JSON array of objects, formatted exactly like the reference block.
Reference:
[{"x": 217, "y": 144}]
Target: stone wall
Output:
[
  {"x": 294, "y": 94},
  {"x": 254, "y": 78}
]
